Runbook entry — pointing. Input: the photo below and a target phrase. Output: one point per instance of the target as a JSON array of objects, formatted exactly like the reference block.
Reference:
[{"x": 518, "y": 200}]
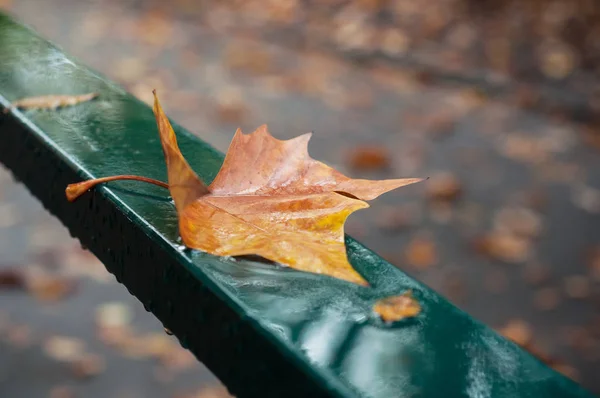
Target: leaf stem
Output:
[{"x": 74, "y": 191}]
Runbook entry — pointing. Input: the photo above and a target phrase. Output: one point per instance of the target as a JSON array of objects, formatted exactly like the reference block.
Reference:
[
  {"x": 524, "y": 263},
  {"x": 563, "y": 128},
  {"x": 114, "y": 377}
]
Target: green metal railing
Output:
[{"x": 264, "y": 332}]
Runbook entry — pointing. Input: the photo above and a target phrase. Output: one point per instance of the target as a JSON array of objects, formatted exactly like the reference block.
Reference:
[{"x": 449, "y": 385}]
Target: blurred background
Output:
[{"x": 497, "y": 101}]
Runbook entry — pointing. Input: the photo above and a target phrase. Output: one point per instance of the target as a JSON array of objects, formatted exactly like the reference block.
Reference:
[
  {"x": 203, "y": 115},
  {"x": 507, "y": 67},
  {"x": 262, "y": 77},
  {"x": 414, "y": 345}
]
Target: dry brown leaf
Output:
[
  {"x": 546, "y": 299},
  {"x": 577, "y": 286},
  {"x": 518, "y": 331},
  {"x": 504, "y": 246},
  {"x": 396, "y": 308},
  {"x": 62, "y": 348},
  {"x": 50, "y": 288},
  {"x": 369, "y": 158},
  {"x": 270, "y": 198},
  {"x": 421, "y": 252},
  {"x": 444, "y": 187},
  {"x": 230, "y": 107},
  {"x": 11, "y": 278},
  {"x": 52, "y": 101},
  {"x": 88, "y": 365},
  {"x": 519, "y": 221}
]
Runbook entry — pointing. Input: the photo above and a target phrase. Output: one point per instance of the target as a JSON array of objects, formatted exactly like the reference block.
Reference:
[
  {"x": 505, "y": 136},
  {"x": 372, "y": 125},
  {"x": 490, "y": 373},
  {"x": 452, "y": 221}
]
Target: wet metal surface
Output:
[{"x": 117, "y": 135}]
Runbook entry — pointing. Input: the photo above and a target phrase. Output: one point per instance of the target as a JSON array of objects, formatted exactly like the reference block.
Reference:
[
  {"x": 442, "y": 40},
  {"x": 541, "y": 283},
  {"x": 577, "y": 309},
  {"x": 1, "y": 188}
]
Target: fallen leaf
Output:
[
  {"x": 113, "y": 314},
  {"x": 518, "y": 331},
  {"x": 504, "y": 246},
  {"x": 62, "y": 348},
  {"x": 369, "y": 158},
  {"x": 519, "y": 221},
  {"x": 88, "y": 365},
  {"x": 11, "y": 279},
  {"x": 51, "y": 101},
  {"x": 230, "y": 107},
  {"x": 546, "y": 299},
  {"x": 567, "y": 370},
  {"x": 396, "y": 308},
  {"x": 50, "y": 288},
  {"x": 444, "y": 187},
  {"x": 577, "y": 286},
  {"x": 421, "y": 253},
  {"x": 270, "y": 198}
]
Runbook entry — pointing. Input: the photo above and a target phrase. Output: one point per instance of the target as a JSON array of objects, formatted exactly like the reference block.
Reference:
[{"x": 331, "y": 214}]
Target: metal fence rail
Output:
[{"x": 264, "y": 332}]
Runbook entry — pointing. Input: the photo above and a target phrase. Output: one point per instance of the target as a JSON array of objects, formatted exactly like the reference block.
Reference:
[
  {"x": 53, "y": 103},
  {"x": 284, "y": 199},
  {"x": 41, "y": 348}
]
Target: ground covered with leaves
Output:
[{"x": 508, "y": 226}]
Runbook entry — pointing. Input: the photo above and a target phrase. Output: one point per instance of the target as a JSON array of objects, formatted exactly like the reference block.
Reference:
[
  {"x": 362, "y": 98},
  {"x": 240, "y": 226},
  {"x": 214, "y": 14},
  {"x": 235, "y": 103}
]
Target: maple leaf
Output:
[
  {"x": 270, "y": 198},
  {"x": 396, "y": 308}
]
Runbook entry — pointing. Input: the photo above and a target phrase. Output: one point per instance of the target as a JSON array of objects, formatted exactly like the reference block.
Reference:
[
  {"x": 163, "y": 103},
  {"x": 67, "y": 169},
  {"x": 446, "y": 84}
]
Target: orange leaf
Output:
[
  {"x": 270, "y": 198},
  {"x": 51, "y": 101},
  {"x": 396, "y": 308}
]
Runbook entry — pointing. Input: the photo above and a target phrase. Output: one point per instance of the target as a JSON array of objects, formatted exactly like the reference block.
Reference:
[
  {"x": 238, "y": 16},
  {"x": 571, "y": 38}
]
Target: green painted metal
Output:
[{"x": 264, "y": 331}]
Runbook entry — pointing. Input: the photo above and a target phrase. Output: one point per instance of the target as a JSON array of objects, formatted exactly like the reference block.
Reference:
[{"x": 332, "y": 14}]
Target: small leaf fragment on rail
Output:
[
  {"x": 396, "y": 308},
  {"x": 51, "y": 102}
]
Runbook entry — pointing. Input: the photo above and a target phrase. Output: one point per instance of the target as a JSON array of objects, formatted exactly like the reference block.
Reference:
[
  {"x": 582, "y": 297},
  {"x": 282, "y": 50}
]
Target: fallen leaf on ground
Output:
[
  {"x": 518, "y": 331},
  {"x": 421, "y": 253},
  {"x": 519, "y": 221},
  {"x": 11, "y": 279},
  {"x": 51, "y": 101},
  {"x": 113, "y": 314},
  {"x": 504, "y": 246},
  {"x": 230, "y": 107},
  {"x": 577, "y": 286},
  {"x": 444, "y": 187},
  {"x": 369, "y": 158},
  {"x": 270, "y": 198},
  {"x": 88, "y": 365},
  {"x": 62, "y": 348},
  {"x": 50, "y": 288},
  {"x": 396, "y": 308},
  {"x": 546, "y": 299}
]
